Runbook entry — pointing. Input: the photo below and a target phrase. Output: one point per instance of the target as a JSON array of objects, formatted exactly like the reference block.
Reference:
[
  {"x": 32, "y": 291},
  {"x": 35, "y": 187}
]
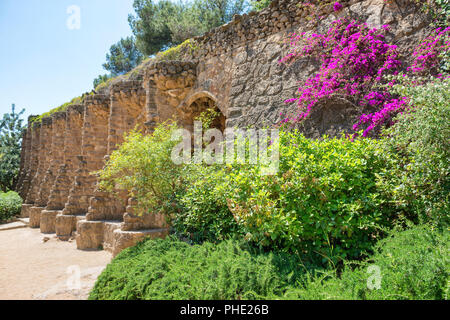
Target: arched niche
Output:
[{"x": 193, "y": 106}]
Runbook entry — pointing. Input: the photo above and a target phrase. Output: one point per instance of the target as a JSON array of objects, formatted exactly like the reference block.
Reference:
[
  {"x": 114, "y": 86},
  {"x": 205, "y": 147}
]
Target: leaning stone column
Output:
[
  {"x": 94, "y": 147},
  {"x": 105, "y": 212},
  {"x": 32, "y": 168},
  {"x": 66, "y": 224},
  {"x": 44, "y": 158},
  {"x": 127, "y": 111},
  {"x": 23, "y": 162},
  {"x": 48, "y": 217},
  {"x": 25, "y": 158}
]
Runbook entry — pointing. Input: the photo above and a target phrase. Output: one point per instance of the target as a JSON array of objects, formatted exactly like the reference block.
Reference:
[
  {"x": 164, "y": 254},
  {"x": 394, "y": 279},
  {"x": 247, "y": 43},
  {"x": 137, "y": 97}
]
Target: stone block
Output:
[
  {"x": 89, "y": 234},
  {"x": 25, "y": 212},
  {"x": 35, "y": 216},
  {"x": 48, "y": 220},
  {"x": 126, "y": 239}
]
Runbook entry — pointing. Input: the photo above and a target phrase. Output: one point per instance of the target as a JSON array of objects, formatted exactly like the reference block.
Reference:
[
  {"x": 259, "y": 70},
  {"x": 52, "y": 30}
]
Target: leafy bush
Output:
[
  {"x": 324, "y": 199},
  {"x": 10, "y": 205},
  {"x": 170, "y": 269},
  {"x": 413, "y": 264},
  {"x": 143, "y": 166},
  {"x": 421, "y": 138},
  {"x": 204, "y": 214}
]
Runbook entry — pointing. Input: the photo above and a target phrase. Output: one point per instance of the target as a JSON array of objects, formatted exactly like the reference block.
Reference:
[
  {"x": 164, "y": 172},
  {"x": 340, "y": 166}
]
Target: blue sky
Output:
[{"x": 43, "y": 63}]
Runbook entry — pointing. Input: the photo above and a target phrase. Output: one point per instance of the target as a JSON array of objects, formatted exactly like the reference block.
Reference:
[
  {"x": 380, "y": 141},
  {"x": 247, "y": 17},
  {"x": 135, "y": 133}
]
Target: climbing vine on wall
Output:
[{"x": 355, "y": 62}]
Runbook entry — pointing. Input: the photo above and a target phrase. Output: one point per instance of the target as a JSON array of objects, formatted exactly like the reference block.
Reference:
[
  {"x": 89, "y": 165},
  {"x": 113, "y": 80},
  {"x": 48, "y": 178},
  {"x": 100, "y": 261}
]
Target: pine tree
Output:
[{"x": 11, "y": 131}]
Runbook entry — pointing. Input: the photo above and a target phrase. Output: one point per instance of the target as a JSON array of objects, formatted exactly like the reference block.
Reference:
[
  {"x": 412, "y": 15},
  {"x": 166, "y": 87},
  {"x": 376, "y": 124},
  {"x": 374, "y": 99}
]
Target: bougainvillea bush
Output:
[{"x": 355, "y": 62}]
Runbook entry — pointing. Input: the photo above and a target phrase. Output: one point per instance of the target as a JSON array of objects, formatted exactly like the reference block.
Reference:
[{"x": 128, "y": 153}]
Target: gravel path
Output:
[{"x": 34, "y": 266}]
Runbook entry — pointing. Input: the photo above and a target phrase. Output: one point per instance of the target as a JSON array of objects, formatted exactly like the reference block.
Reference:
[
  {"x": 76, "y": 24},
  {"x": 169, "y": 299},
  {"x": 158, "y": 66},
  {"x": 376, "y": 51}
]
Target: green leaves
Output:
[
  {"x": 324, "y": 199},
  {"x": 160, "y": 25},
  {"x": 10, "y": 205},
  {"x": 123, "y": 57},
  {"x": 143, "y": 167},
  {"x": 11, "y": 130}
]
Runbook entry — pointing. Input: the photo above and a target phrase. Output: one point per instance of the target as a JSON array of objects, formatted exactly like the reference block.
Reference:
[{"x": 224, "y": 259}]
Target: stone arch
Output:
[{"x": 197, "y": 103}]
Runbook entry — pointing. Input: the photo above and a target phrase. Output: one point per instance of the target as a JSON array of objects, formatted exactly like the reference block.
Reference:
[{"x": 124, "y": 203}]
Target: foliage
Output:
[
  {"x": 354, "y": 61},
  {"x": 413, "y": 264},
  {"x": 438, "y": 10},
  {"x": 150, "y": 27},
  {"x": 10, "y": 205},
  {"x": 160, "y": 25},
  {"x": 11, "y": 131},
  {"x": 123, "y": 57},
  {"x": 324, "y": 200},
  {"x": 143, "y": 166},
  {"x": 101, "y": 80},
  {"x": 172, "y": 270},
  {"x": 204, "y": 214},
  {"x": 258, "y": 5},
  {"x": 421, "y": 138},
  {"x": 175, "y": 53}
]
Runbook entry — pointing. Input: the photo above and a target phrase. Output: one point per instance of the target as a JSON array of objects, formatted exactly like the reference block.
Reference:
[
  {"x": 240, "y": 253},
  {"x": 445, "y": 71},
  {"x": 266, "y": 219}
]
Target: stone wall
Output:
[{"x": 233, "y": 68}]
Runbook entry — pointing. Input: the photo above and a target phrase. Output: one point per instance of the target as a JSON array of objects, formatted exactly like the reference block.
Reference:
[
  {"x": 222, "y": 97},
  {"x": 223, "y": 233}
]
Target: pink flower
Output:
[{"x": 337, "y": 6}]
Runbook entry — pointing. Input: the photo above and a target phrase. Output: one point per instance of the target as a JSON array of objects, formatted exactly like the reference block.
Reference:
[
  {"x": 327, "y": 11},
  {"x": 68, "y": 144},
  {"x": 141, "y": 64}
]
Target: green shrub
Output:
[
  {"x": 325, "y": 198},
  {"x": 170, "y": 269},
  {"x": 204, "y": 214},
  {"x": 143, "y": 167},
  {"x": 413, "y": 264},
  {"x": 421, "y": 138},
  {"x": 10, "y": 205}
]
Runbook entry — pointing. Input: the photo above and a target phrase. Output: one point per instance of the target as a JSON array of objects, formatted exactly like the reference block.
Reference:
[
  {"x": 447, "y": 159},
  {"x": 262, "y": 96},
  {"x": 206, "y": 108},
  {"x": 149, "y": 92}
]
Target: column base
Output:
[
  {"x": 25, "y": 212},
  {"x": 35, "y": 216},
  {"x": 48, "y": 221}
]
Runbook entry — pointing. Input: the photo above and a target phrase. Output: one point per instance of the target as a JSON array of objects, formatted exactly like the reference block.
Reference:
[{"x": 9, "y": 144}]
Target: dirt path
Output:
[{"x": 54, "y": 270}]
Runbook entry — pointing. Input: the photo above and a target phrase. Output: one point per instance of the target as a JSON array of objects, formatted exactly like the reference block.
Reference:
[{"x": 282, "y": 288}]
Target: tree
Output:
[
  {"x": 215, "y": 13},
  {"x": 11, "y": 131},
  {"x": 150, "y": 25},
  {"x": 158, "y": 26},
  {"x": 100, "y": 79},
  {"x": 123, "y": 57}
]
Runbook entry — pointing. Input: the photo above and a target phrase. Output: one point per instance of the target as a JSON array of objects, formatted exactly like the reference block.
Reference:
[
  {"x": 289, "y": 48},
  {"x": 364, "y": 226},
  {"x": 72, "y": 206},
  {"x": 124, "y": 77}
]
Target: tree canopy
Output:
[
  {"x": 160, "y": 25},
  {"x": 123, "y": 57},
  {"x": 11, "y": 131}
]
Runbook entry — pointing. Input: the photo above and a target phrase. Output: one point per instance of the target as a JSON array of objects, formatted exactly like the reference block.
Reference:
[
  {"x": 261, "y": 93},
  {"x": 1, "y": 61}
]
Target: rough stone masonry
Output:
[{"x": 233, "y": 68}]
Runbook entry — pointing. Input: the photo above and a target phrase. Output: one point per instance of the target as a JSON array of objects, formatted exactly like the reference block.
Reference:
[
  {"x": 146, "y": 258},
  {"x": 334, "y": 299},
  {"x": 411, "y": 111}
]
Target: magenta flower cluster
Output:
[
  {"x": 337, "y": 6},
  {"x": 354, "y": 60},
  {"x": 426, "y": 55}
]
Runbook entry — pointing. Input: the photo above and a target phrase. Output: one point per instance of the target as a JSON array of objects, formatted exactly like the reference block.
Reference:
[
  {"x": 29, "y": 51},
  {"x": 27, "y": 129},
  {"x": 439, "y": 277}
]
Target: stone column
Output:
[
  {"x": 105, "y": 212},
  {"x": 24, "y": 160},
  {"x": 66, "y": 224},
  {"x": 31, "y": 169},
  {"x": 94, "y": 147},
  {"x": 44, "y": 158},
  {"x": 48, "y": 217},
  {"x": 127, "y": 111}
]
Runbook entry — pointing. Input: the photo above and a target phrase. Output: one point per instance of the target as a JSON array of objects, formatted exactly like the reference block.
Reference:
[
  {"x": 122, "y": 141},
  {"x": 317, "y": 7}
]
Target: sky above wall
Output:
[{"x": 45, "y": 60}]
